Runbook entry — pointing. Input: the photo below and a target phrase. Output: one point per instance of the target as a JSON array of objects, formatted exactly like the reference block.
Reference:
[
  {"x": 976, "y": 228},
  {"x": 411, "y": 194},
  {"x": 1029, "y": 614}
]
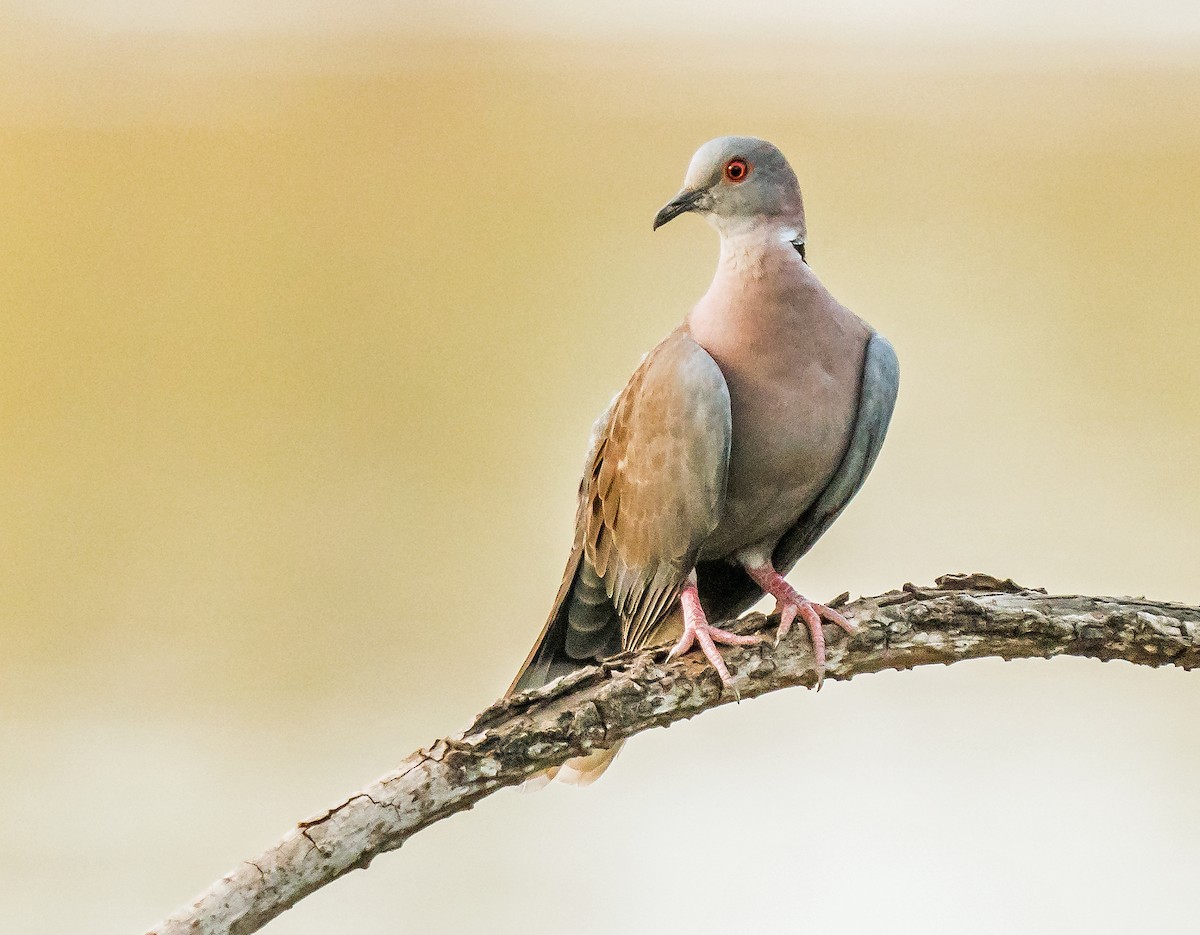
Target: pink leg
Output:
[
  {"x": 789, "y": 604},
  {"x": 696, "y": 629}
]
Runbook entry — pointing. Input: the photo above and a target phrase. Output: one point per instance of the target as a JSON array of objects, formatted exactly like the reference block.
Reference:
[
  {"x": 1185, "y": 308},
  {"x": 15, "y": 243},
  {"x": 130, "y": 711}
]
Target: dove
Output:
[{"x": 734, "y": 446}]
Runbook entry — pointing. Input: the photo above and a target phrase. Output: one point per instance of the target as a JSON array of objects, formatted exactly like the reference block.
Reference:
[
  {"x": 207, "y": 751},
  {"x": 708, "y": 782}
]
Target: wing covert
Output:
[
  {"x": 656, "y": 485},
  {"x": 653, "y": 488}
]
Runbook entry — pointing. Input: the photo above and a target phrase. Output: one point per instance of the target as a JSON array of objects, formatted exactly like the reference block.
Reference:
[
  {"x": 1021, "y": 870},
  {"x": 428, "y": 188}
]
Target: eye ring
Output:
[{"x": 737, "y": 170}]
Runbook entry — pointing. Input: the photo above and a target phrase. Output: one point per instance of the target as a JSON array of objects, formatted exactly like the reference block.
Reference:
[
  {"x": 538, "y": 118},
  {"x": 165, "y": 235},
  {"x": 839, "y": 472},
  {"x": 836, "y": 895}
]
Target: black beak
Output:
[{"x": 682, "y": 203}]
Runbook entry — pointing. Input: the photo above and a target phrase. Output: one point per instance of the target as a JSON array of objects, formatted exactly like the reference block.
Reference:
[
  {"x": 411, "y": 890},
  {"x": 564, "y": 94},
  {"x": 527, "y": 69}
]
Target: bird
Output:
[{"x": 736, "y": 443}]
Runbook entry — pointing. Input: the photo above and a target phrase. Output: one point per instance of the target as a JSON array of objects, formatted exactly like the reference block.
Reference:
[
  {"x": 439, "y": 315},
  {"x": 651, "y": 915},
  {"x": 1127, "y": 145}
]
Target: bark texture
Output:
[{"x": 961, "y": 617}]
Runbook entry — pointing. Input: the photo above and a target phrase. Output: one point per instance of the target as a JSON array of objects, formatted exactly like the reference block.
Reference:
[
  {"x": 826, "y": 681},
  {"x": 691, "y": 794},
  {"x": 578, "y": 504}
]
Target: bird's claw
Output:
[
  {"x": 708, "y": 636},
  {"x": 793, "y": 605}
]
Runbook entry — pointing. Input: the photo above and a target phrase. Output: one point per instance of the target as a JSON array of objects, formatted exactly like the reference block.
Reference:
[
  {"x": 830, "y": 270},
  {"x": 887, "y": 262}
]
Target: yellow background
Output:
[{"x": 301, "y": 337}]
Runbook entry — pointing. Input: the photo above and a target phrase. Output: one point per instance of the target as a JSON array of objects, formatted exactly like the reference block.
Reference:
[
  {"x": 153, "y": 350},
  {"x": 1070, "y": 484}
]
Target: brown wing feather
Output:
[
  {"x": 653, "y": 488},
  {"x": 659, "y": 486}
]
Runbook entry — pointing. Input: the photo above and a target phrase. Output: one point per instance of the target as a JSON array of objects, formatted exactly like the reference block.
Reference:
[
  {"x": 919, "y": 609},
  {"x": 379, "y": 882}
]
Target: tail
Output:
[
  {"x": 582, "y": 629},
  {"x": 578, "y": 771}
]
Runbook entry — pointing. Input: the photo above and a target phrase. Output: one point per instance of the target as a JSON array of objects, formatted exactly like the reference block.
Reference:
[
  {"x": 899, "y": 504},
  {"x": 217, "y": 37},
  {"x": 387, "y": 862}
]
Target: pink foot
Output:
[
  {"x": 696, "y": 629},
  {"x": 789, "y": 604}
]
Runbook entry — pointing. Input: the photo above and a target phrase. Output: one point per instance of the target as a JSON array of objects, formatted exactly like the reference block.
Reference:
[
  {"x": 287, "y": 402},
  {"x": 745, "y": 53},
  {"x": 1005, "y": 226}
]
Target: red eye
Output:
[{"x": 736, "y": 170}]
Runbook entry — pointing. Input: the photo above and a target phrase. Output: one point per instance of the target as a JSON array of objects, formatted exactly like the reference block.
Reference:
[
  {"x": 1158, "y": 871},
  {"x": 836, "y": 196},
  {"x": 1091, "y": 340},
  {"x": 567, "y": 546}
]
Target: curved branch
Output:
[{"x": 961, "y": 617}]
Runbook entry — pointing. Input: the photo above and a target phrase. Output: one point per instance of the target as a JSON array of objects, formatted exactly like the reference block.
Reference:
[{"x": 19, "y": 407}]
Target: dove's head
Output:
[{"x": 738, "y": 182}]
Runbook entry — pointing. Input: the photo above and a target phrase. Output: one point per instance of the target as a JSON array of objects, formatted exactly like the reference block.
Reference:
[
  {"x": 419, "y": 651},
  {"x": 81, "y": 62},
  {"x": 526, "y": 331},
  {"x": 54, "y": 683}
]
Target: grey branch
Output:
[{"x": 961, "y": 617}]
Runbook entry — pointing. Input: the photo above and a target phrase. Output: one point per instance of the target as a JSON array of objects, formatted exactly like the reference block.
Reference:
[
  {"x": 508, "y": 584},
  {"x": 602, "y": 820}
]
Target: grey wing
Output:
[{"x": 726, "y": 589}]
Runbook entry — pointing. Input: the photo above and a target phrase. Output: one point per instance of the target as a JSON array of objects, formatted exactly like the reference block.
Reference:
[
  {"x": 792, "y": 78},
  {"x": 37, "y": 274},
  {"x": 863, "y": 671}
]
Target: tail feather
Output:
[
  {"x": 578, "y": 771},
  {"x": 585, "y": 770},
  {"x": 582, "y": 628}
]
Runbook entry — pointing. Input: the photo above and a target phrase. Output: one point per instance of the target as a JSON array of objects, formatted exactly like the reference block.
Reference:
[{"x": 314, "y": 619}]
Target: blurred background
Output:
[{"x": 305, "y": 313}]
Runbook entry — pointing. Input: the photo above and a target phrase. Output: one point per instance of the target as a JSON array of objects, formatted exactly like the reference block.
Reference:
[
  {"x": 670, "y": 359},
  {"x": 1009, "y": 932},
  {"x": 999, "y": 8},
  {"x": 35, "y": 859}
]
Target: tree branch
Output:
[{"x": 961, "y": 617}]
